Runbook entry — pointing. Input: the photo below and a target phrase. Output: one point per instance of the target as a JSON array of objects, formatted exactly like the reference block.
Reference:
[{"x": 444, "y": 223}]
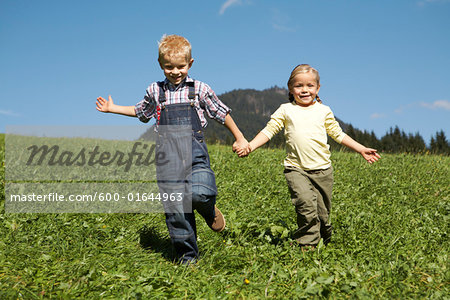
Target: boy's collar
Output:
[{"x": 169, "y": 84}]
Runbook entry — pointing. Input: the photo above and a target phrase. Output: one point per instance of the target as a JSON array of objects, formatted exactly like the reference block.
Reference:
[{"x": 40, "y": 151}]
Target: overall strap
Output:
[
  {"x": 196, "y": 123},
  {"x": 191, "y": 95},
  {"x": 162, "y": 94}
]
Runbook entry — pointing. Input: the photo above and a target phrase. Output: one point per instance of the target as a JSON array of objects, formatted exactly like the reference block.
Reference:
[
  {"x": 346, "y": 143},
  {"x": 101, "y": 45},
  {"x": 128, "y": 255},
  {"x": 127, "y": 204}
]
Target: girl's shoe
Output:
[{"x": 308, "y": 248}]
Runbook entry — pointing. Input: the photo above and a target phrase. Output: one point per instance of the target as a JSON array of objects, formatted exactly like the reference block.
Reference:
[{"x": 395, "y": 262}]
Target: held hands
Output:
[
  {"x": 370, "y": 155},
  {"x": 104, "y": 105},
  {"x": 242, "y": 147}
]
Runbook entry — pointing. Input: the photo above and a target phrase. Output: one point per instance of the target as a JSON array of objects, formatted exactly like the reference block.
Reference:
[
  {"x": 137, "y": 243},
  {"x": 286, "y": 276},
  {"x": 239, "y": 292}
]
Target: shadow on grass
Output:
[{"x": 151, "y": 240}]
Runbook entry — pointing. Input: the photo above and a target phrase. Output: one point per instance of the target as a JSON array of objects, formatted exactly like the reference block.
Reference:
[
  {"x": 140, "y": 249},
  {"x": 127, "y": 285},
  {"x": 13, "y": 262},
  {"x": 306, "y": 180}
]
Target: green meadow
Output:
[{"x": 390, "y": 240}]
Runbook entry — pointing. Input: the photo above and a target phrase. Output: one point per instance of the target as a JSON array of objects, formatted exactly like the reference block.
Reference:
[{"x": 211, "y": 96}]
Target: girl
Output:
[{"x": 308, "y": 169}]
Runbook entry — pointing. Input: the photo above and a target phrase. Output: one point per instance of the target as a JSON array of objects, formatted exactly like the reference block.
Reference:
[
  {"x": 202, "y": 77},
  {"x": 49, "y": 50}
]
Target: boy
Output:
[{"x": 180, "y": 100}]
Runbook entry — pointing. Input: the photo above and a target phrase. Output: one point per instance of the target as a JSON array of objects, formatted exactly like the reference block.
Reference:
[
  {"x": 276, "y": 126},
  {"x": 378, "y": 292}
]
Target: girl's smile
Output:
[{"x": 305, "y": 88}]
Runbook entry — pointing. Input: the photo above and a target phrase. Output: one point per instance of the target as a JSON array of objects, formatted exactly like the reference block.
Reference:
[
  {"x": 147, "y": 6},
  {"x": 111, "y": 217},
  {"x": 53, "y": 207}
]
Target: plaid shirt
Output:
[{"x": 205, "y": 101}]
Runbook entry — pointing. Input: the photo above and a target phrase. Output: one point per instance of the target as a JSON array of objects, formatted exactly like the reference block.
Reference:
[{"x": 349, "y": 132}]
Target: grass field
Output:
[{"x": 391, "y": 240}]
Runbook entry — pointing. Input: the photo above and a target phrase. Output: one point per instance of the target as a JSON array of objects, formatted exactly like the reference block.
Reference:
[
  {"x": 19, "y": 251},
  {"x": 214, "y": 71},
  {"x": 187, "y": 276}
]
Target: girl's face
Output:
[{"x": 305, "y": 88}]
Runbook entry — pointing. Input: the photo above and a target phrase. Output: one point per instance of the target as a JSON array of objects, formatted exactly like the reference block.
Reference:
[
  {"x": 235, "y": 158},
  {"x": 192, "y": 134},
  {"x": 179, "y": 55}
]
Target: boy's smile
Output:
[
  {"x": 305, "y": 88},
  {"x": 175, "y": 68}
]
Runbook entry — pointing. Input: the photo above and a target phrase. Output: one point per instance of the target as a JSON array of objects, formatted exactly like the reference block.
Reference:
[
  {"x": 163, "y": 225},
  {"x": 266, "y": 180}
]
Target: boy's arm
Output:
[
  {"x": 108, "y": 106},
  {"x": 369, "y": 154},
  {"x": 241, "y": 144}
]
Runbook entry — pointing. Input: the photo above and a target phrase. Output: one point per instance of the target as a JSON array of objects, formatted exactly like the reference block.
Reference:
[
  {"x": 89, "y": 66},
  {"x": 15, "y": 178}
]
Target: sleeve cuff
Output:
[
  {"x": 340, "y": 138},
  {"x": 267, "y": 133},
  {"x": 140, "y": 114}
]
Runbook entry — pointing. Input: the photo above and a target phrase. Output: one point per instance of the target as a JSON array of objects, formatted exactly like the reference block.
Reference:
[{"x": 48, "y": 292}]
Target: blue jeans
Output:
[{"x": 181, "y": 221}]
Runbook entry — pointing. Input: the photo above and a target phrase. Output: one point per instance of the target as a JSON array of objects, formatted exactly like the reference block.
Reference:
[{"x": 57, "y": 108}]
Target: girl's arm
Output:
[
  {"x": 259, "y": 140},
  {"x": 274, "y": 126},
  {"x": 369, "y": 154},
  {"x": 108, "y": 106}
]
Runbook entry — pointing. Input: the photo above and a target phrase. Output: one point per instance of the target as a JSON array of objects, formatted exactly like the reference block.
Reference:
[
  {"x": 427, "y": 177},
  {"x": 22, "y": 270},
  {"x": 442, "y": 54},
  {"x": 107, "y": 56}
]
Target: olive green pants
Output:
[{"x": 311, "y": 195}]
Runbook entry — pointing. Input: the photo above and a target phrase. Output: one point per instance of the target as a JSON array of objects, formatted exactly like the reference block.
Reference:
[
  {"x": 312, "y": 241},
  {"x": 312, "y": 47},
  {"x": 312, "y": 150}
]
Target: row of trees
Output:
[{"x": 397, "y": 141}]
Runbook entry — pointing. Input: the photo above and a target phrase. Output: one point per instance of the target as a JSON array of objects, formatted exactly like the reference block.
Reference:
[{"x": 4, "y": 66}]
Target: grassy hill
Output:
[{"x": 390, "y": 241}]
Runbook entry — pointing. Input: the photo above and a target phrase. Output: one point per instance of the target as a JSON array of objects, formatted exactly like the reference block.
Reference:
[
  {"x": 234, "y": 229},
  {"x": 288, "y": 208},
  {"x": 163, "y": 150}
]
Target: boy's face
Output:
[
  {"x": 175, "y": 67},
  {"x": 305, "y": 88}
]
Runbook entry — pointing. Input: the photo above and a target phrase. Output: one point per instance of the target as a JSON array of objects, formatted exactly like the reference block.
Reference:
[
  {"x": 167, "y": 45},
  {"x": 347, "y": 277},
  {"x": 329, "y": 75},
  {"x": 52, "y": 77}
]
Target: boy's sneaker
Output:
[
  {"x": 188, "y": 262},
  {"x": 218, "y": 223}
]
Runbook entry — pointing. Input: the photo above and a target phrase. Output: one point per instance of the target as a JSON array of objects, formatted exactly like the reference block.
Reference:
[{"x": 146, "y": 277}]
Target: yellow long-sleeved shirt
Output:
[{"x": 306, "y": 130}]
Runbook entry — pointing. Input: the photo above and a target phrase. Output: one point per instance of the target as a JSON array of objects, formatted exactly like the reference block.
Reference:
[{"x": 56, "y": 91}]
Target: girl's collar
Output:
[{"x": 302, "y": 106}]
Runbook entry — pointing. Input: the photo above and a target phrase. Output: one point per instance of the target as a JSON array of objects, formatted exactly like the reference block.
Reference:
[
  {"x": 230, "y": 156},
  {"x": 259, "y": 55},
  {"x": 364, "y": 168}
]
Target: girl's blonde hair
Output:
[
  {"x": 173, "y": 45},
  {"x": 301, "y": 69}
]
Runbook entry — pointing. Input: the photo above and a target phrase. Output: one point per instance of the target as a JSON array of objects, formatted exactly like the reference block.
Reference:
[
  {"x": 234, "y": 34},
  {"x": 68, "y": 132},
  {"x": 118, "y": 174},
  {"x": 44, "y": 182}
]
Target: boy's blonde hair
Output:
[
  {"x": 174, "y": 45},
  {"x": 301, "y": 69}
]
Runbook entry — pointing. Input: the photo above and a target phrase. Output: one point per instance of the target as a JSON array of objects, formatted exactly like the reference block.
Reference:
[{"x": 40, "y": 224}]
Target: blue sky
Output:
[{"x": 382, "y": 63}]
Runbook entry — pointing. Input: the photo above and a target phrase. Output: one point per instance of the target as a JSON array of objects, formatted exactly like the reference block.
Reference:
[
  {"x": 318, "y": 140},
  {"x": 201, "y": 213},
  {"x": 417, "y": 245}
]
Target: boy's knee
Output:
[{"x": 203, "y": 184}]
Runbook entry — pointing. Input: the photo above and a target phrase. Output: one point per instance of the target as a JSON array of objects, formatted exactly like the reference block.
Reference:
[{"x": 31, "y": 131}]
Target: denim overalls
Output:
[{"x": 181, "y": 223}]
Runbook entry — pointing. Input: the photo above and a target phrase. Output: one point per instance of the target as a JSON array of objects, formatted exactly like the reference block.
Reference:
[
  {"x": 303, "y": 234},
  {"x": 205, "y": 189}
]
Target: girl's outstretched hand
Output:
[
  {"x": 370, "y": 155},
  {"x": 104, "y": 105}
]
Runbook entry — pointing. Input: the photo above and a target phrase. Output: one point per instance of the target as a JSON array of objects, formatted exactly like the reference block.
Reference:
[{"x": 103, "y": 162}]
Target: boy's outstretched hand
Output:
[
  {"x": 370, "y": 155},
  {"x": 104, "y": 105}
]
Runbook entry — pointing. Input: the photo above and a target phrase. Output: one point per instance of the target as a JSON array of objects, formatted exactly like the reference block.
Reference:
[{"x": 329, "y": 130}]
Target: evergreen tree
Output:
[
  {"x": 374, "y": 142},
  {"x": 387, "y": 141},
  {"x": 416, "y": 143},
  {"x": 439, "y": 144}
]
